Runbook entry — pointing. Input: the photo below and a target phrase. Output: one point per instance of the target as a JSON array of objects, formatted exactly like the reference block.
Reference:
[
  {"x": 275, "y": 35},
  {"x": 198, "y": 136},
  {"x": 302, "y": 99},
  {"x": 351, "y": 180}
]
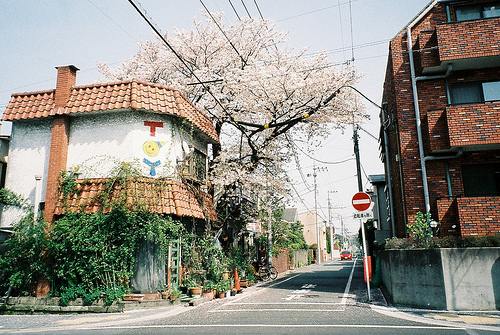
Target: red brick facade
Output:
[
  {"x": 471, "y": 132},
  {"x": 479, "y": 216},
  {"x": 469, "y": 39},
  {"x": 474, "y": 124}
]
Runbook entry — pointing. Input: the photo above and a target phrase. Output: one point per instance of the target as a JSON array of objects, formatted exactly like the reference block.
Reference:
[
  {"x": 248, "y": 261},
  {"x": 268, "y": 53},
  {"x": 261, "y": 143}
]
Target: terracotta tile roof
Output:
[
  {"x": 162, "y": 196},
  {"x": 133, "y": 95}
]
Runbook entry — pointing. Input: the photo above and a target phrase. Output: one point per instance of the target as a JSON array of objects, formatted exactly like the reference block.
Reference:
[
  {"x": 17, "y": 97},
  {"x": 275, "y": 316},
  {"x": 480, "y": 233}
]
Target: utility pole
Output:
[
  {"x": 330, "y": 224},
  {"x": 343, "y": 231},
  {"x": 318, "y": 238},
  {"x": 355, "y": 138}
]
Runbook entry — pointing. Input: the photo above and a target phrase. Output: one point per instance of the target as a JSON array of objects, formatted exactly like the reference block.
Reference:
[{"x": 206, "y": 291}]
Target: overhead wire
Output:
[
  {"x": 258, "y": 9},
  {"x": 352, "y": 34},
  {"x": 319, "y": 160},
  {"x": 223, "y": 32},
  {"x": 246, "y": 9},
  {"x": 311, "y": 12},
  {"x": 234, "y": 10}
]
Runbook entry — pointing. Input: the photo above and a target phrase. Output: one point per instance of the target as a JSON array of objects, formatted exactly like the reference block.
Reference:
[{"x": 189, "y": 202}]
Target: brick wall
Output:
[
  {"x": 479, "y": 216},
  {"x": 437, "y": 130},
  {"x": 477, "y": 38},
  {"x": 428, "y": 56},
  {"x": 447, "y": 216},
  {"x": 474, "y": 124},
  {"x": 280, "y": 262}
]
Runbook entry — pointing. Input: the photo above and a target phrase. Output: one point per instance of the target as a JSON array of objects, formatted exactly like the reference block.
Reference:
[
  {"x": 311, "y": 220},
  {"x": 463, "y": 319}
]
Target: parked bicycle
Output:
[{"x": 266, "y": 273}]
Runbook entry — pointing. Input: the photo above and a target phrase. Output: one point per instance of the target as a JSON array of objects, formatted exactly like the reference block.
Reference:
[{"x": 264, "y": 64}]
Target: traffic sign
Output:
[{"x": 361, "y": 201}]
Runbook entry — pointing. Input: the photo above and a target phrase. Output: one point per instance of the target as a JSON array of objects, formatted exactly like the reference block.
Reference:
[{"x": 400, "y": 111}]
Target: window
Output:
[
  {"x": 196, "y": 166},
  {"x": 481, "y": 180},
  {"x": 465, "y": 13},
  {"x": 491, "y": 91},
  {"x": 474, "y": 92}
]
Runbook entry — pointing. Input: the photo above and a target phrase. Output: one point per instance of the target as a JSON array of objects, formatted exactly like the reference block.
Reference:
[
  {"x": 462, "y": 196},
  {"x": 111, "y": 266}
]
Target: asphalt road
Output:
[{"x": 314, "y": 300}]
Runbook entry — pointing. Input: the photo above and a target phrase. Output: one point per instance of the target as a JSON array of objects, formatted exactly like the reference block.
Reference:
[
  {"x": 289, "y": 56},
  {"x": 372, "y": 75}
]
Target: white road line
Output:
[
  {"x": 348, "y": 286},
  {"x": 286, "y": 303},
  {"x": 395, "y": 313},
  {"x": 235, "y": 326},
  {"x": 302, "y": 310},
  {"x": 243, "y": 296}
]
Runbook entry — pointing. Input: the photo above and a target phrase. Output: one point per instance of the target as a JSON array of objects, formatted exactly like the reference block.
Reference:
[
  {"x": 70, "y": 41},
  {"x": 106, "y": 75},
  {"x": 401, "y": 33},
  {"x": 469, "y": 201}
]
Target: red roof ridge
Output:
[{"x": 18, "y": 94}]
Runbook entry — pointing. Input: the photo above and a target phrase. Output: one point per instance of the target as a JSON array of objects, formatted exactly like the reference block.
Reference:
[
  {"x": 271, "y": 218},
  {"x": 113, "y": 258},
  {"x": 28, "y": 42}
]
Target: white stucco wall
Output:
[
  {"x": 28, "y": 157},
  {"x": 98, "y": 142}
]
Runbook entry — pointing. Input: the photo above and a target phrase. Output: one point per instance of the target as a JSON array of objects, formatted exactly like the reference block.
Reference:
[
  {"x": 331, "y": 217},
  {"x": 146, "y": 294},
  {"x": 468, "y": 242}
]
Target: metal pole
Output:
[
  {"x": 330, "y": 223},
  {"x": 360, "y": 189},
  {"x": 365, "y": 259},
  {"x": 36, "y": 205},
  {"x": 355, "y": 138},
  {"x": 318, "y": 250},
  {"x": 269, "y": 230}
]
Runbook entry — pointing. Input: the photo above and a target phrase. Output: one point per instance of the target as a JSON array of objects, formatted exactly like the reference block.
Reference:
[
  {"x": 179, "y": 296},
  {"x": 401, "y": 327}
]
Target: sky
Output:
[{"x": 37, "y": 35}]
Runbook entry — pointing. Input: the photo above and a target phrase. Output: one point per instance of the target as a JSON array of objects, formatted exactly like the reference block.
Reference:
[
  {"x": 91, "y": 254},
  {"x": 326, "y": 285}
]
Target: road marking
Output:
[
  {"x": 302, "y": 310},
  {"x": 309, "y": 286},
  {"x": 395, "y": 313},
  {"x": 255, "y": 292},
  {"x": 348, "y": 286},
  {"x": 286, "y": 303},
  {"x": 235, "y": 326}
]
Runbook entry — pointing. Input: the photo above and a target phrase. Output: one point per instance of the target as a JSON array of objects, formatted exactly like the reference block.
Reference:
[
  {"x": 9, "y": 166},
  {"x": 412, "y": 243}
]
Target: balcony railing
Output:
[
  {"x": 474, "y": 124},
  {"x": 469, "y": 39}
]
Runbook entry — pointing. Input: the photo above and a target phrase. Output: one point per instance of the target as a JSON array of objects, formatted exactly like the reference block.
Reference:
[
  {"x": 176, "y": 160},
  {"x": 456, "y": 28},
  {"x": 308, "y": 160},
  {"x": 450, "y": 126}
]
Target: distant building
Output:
[
  {"x": 441, "y": 119},
  {"x": 308, "y": 221}
]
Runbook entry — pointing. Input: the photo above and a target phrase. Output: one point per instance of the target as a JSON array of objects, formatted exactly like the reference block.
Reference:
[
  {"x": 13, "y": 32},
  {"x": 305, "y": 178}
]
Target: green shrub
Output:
[{"x": 23, "y": 257}]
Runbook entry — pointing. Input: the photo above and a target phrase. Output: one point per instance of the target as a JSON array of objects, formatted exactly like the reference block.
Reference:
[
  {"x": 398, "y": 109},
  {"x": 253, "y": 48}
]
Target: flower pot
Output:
[
  {"x": 221, "y": 295},
  {"x": 243, "y": 283},
  {"x": 195, "y": 291},
  {"x": 209, "y": 295}
]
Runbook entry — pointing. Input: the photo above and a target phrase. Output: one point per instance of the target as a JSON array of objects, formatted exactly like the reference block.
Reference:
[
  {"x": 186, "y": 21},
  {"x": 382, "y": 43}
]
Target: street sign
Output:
[
  {"x": 361, "y": 201},
  {"x": 364, "y": 215}
]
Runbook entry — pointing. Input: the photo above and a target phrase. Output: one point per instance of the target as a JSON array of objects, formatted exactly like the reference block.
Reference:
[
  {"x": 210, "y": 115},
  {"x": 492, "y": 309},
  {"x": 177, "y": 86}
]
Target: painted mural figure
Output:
[{"x": 152, "y": 148}]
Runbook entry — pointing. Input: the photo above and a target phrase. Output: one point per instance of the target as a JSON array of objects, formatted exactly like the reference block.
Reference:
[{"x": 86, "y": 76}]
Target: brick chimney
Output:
[{"x": 66, "y": 79}]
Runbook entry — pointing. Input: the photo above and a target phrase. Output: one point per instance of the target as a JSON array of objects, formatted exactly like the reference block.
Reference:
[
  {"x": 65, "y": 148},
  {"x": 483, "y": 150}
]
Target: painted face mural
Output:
[{"x": 151, "y": 148}]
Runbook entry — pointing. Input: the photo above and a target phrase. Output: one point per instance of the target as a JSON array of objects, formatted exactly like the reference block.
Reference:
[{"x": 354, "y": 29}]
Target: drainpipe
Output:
[
  {"x": 416, "y": 104},
  {"x": 36, "y": 206},
  {"x": 388, "y": 169}
]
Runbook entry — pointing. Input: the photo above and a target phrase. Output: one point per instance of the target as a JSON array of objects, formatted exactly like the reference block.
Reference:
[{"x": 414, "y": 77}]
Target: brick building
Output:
[{"x": 441, "y": 118}]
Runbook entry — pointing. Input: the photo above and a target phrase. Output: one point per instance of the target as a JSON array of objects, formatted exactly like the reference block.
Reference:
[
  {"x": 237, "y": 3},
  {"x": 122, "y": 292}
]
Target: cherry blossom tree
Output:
[{"x": 262, "y": 96}]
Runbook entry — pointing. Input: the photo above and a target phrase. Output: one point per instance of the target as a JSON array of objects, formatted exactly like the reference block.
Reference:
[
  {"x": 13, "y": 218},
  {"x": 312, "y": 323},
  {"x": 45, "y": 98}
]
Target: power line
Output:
[
  {"x": 152, "y": 26},
  {"x": 112, "y": 20},
  {"x": 234, "y": 10},
  {"x": 258, "y": 9},
  {"x": 318, "y": 160},
  {"x": 352, "y": 38},
  {"x": 311, "y": 12},
  {"x": 341, "y": 28},
  {"x": 246, "y": 9},
  {"x": 223, "y": 32}
]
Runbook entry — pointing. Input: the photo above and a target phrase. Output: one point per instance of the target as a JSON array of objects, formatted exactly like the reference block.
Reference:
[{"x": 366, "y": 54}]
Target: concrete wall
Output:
[{"x": 452, "y": 279}]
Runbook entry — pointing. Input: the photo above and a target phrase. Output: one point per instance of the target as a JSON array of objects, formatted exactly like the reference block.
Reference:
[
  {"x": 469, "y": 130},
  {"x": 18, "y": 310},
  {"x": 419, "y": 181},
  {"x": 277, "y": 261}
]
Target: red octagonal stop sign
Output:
[{"x": 361, "y": 201}]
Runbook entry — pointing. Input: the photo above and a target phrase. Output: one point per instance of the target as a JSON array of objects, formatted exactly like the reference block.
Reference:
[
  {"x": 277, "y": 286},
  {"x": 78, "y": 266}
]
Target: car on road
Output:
[{"x": 345, "y": 254}]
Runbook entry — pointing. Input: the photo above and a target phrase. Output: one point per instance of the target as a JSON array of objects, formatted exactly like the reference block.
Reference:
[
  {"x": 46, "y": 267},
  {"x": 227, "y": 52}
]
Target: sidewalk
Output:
[{"x": 488, "y": 320}]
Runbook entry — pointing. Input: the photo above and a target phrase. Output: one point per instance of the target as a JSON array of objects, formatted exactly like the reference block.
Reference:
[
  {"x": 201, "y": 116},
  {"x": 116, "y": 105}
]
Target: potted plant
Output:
[
  {"x": 222, "y": 287},
  {"x": 194, "y": 287},
  {"x": 175, "y": 293},
  {"x": 209, "y": 290}
]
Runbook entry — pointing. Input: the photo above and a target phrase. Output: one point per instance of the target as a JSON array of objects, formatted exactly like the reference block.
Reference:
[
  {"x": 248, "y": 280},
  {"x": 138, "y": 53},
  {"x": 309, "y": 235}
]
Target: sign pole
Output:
[
  {"x": 361, "y": 201},
  {"x": 365, "y": 259}
]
